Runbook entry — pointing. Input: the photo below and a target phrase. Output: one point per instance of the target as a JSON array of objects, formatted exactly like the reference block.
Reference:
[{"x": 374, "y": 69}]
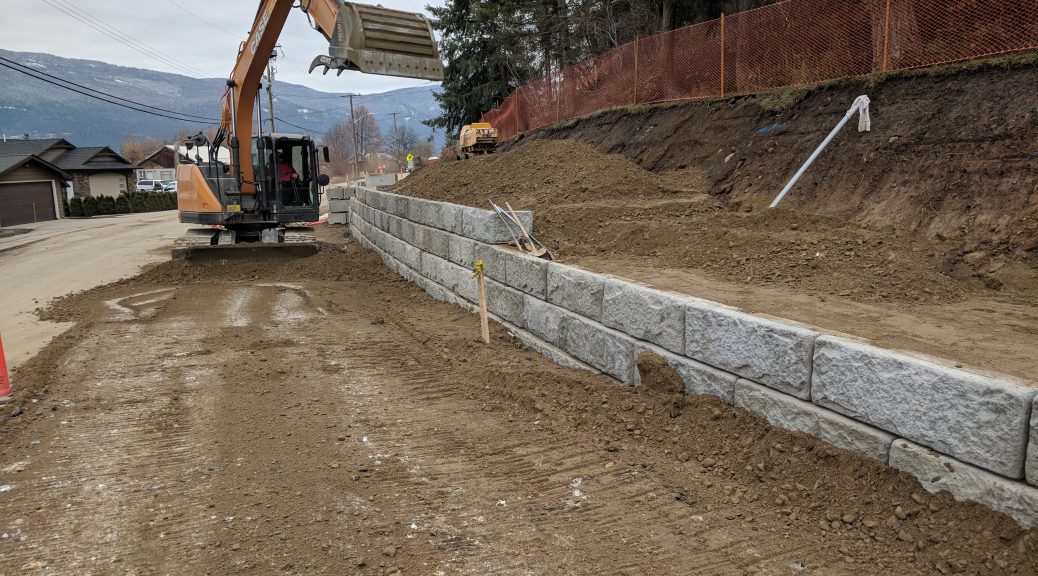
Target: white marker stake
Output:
[{"x": 861, "y": 105}]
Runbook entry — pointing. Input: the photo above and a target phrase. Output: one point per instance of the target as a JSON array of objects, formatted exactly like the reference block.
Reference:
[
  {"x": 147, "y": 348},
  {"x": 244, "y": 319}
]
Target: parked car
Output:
[
  {"x": 149, "y": 185},
  {"x": 170, "y": 187}
]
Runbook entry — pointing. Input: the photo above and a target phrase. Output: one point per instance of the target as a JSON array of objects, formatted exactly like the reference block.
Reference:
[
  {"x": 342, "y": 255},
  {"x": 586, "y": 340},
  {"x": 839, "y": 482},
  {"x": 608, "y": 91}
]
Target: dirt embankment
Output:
[
  {"x": 951, "y": 161},
  {"x": 589, "y": 204},
  {"x": 920, "y": 235}
]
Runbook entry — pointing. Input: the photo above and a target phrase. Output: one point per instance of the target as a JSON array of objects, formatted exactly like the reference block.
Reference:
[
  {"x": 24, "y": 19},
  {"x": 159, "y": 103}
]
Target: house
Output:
[
  {"x": 161, "y": 165},
  {"x": 97, "y": 171},
  {"x": 37, "y": 175},
  {"x": 31, "y": 189}
]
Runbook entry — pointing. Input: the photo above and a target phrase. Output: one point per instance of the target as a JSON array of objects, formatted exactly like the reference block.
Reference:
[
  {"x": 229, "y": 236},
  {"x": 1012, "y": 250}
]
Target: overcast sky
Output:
[{"x": 200, "y": 37}]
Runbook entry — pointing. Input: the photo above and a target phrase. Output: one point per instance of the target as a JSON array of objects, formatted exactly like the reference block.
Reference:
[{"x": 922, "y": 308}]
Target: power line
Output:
[
  {"x": 105, "y": 94},
  {"x": 96, "y": 97},
  {"x": 283, "y": 121},
  {"x": 221, "y": 29},
  {"x": 121, "y": 37}
]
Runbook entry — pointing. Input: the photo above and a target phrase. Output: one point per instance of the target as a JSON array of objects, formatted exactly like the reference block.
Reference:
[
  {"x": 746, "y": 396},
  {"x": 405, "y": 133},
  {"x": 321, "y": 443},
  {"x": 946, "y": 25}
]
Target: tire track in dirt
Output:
[{"x": 558, "y": 483}]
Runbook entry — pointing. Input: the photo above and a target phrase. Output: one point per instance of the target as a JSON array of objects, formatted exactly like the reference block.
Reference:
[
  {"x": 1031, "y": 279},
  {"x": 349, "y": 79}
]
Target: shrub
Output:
[
  {"x": 75, "y": 207},
  {"x": 90, "y": 207}
]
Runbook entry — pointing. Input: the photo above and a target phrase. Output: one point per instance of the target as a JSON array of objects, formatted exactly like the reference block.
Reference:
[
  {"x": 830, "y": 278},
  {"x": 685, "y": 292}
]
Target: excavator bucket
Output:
[{"x": 377, "y": 40}]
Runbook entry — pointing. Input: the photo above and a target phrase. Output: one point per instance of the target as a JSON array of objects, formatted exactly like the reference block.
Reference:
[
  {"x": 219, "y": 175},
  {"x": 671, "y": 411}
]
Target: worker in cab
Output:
[
  {"x": 289, "y": 180},
  {"x": 286, "y": 173}
]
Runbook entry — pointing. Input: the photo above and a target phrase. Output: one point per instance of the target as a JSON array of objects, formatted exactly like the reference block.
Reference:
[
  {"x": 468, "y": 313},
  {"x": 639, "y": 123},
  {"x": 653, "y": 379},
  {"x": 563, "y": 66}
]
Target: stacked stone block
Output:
[{"x": 971, "y": 434}]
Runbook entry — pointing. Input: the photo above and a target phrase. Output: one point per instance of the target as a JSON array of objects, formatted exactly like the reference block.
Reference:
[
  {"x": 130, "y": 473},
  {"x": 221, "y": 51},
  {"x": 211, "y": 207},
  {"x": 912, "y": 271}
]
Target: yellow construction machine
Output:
[
  {"x": 476, "y": 139},
  {"x": 271, "y": 186}
]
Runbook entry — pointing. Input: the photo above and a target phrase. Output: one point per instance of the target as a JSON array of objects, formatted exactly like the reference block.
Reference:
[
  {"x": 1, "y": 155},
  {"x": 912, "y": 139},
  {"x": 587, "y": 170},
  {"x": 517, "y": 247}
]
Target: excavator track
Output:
[
  {"x": 210, "y": 245},
  {"x": 299, "y": 235}
]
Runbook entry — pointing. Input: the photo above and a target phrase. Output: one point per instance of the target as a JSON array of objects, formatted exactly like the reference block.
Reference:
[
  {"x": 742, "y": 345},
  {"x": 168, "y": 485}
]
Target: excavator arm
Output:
[{"x": 368, "y": 39}]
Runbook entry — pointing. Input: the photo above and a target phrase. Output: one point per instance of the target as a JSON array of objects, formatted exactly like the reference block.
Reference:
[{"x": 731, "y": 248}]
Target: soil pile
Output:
[
  {"x": 950, "y": 160},
  {"x": 543, "y": 173},
  {"x": 590, "y": 204}
]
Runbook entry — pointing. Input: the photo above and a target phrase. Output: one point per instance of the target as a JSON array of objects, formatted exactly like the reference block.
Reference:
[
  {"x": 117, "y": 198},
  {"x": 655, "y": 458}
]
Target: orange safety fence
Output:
[{"x": 791, "y": 43}]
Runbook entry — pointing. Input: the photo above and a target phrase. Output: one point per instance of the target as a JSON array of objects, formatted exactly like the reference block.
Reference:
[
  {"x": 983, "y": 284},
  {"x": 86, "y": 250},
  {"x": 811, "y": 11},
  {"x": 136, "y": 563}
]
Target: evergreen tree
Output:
[{"x": 485, "y": 45}]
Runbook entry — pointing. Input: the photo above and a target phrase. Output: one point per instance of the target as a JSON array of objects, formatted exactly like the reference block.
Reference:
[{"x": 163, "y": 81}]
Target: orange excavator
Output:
[{"x": 272, "y": 184}]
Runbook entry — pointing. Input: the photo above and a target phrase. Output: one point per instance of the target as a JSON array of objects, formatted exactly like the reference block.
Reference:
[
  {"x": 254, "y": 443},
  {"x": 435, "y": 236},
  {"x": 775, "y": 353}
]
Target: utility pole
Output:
[
  {"x": 270, "y": 90},
  {"x": 396, "y": 137},
  {"x": 356, "y": 149}
]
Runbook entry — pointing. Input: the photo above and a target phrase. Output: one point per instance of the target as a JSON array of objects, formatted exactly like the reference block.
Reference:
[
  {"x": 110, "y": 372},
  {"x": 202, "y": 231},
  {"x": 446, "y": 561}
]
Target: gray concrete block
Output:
[
  {"x": 487, "y": 226},
  {"x": 611, "y": 351},
  {"x": 937, "y": 472},
  {"x": 403, "y": 251},
  {"x": 698, "y": 377},
  {"x": 790, "y": 413},
  {"x": 338, "y": 205},
  {"x": 451, "y": 276},
  {"x": 504, "y": 302},
  {"x": 398, "y": 205},
  {"x": 376, "y": 180},
  {"x": 461, "y": 251},
  {"x": 402, "y": 229},
  {"x": 524, "y": 272},
  {"x": 423, "y": 211},
  {"x": 493, "y": 260},
  {"x": 553, "y": 353},
  {"x": 576, "y": 290},
  {"x": 644, "y": 313},
  {"x": 372, "y": 198},
  {"x": 452, "y": 218},
  {"x": 1031, "y": 468},
  {"x": 432, "y": 240},
  {"x": 433, "y": 289},
  {"x": 544, "y": 320},
  {"x": 439, "y": 215},
  {"x": 340, "y": 192},
  {"x": 978, "y": 419},
  {"x": 772, "y": 353},
  {"x": 338, "y": 218},
  {"x": 361, "y": 195}
]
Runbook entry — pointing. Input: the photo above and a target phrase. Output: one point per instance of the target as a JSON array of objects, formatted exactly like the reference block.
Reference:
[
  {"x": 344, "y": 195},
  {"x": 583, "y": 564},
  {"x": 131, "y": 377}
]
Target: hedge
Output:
[{"x": 124, "y": 204}]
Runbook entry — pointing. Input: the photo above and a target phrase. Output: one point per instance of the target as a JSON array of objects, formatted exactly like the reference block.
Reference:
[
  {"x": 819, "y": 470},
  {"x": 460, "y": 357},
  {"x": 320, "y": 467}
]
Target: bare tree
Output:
[
  {"x": 400, "y": 142},
  {"x": 135, "y": 148},
  {"x": 361, "y": 129}
]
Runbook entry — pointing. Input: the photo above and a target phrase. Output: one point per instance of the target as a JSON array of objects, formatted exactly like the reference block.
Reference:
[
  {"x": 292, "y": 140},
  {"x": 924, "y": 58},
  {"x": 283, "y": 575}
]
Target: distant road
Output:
[{"x": 64, "y": 256}]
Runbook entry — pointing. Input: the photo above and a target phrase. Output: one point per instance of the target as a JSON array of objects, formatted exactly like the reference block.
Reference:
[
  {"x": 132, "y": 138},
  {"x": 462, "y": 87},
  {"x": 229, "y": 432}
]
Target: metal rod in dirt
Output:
[{"x": 856, "y": 107}]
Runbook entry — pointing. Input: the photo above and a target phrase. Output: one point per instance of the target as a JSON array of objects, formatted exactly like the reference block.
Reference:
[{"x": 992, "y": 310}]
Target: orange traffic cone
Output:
[{"x": 5, "y": 379}]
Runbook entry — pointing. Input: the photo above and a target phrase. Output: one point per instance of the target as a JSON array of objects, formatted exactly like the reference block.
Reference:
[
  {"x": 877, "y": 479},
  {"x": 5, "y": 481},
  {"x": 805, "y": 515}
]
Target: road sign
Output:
[{"x": 410, "y": 157}]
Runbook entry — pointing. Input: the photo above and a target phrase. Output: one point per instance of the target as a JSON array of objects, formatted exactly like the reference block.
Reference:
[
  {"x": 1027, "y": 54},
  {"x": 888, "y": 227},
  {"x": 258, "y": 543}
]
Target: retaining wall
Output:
[{"x": 971, "y": 434}]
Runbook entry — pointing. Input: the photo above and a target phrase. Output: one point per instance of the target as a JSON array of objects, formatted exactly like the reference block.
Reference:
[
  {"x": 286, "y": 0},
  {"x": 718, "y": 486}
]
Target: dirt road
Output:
[
  {"x": 65, "y": 256},
  {"x": 322, "y": 416}
]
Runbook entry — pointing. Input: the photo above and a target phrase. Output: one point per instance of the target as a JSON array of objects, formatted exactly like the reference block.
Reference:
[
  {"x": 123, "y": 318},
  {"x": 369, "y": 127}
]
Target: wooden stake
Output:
[{"x": 484, "y": 319}]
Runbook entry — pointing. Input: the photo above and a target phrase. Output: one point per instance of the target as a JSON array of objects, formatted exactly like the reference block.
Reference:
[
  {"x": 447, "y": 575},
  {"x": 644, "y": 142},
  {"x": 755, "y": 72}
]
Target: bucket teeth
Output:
[{"x": 330, "y": 63}]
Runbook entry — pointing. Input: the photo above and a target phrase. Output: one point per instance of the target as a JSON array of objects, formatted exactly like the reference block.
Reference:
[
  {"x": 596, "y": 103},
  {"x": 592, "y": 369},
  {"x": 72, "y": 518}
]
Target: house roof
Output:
[
  {"x": 14, "y": 147},
  {"x": 10, "y": 162},
  {"x": 93, "y": 159}
]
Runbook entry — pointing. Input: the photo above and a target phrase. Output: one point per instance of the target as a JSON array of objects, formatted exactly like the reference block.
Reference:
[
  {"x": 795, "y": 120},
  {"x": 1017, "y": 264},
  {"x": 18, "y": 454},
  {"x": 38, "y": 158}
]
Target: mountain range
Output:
[{"x": 41, "y": 110}]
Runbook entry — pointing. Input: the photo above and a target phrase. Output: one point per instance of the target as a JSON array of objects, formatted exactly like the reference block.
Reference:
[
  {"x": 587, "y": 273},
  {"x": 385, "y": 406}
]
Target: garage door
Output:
[{"x": 26, "y": 203}]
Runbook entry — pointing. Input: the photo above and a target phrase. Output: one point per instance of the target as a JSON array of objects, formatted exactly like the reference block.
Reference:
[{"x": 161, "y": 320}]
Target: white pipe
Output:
[{"x": 861, "y": 104}]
